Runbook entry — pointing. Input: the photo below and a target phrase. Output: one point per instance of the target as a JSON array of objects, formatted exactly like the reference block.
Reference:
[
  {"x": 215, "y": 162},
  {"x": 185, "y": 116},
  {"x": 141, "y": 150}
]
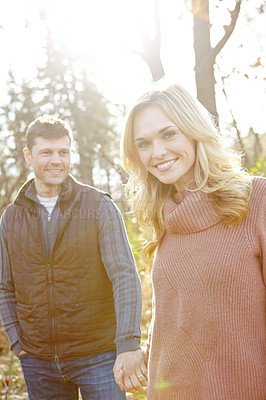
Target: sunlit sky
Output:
[{"x": 102, "y": 33}]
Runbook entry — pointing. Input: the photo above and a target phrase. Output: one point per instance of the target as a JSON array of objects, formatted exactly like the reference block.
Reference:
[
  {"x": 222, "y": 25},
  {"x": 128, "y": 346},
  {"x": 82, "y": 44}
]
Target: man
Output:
[{"x": 70, "y": 297}]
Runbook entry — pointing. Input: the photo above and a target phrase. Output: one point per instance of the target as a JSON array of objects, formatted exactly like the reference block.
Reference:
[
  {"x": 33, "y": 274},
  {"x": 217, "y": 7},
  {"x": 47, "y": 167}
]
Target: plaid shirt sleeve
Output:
[
  {"x": 8, "y": 309},
  {"x": 120, "y": 266}
]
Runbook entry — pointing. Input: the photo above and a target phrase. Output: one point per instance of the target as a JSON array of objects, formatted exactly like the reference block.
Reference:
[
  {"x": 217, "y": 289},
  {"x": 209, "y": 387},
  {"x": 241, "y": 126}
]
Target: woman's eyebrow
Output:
[{"x": 165, "y": 128}]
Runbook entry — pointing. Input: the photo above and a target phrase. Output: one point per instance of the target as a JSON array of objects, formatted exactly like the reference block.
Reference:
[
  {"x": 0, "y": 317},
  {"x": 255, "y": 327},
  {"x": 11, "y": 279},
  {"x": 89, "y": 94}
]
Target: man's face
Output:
[{"x": 50, "y": 160}]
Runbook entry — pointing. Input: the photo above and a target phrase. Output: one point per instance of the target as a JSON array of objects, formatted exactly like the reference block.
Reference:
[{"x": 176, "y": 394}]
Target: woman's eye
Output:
[
  {"x": 169, "y": 134},
  {"x": 143, "y": 145}
]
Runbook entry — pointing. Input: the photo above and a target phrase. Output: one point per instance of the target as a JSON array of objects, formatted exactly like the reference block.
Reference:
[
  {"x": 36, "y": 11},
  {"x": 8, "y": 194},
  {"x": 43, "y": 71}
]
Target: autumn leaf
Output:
[{"x": 257, "y": 63}]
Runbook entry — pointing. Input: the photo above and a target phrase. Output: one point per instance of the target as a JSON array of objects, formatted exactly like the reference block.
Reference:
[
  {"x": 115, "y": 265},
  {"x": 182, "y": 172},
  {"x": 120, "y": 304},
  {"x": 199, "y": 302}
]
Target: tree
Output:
[
  {"x": 62, "y": 89},
  {"x": 15, "y": 116},
  {"x": 70, "y": 94},
  {"x": 151, "y": 48},
  {"x": 205, "y": 54}
]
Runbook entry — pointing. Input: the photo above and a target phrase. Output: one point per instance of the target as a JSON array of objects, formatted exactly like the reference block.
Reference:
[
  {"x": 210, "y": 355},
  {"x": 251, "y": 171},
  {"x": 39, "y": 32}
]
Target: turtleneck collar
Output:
[{"x": 189, "y": 212}]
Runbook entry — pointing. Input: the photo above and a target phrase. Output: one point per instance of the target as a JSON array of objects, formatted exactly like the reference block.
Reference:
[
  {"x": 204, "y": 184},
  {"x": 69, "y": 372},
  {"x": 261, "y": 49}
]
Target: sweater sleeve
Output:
[
  {"x": 8, "y": 309},
  {"x": 262, "y": 231},
  {"x": 120, "y": 266},
  {"x": 257, "y": 221}
]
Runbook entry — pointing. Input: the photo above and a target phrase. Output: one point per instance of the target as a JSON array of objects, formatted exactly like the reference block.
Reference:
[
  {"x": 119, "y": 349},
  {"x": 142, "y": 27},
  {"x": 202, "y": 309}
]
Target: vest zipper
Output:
[
  {"x": 51, "y": 296},
  {"x": 50, "y": 283},
  {"x": 49, "y": 273}
]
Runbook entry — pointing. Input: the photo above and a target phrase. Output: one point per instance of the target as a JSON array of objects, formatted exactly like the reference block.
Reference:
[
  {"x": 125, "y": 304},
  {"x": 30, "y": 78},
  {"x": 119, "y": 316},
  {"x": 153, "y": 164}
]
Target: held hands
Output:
[{"x": 130, "y": 371}]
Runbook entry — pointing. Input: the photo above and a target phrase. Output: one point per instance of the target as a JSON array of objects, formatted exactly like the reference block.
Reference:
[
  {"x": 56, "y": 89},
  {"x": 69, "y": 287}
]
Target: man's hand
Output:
[{"x": 130, "y": 371}]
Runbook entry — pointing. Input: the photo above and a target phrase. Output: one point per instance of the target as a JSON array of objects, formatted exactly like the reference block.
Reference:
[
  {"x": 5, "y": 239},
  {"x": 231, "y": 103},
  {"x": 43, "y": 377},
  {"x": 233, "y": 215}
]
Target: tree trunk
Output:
[
  {"x": 151, "y": 52},
  {"x": 204, "y": 57}
]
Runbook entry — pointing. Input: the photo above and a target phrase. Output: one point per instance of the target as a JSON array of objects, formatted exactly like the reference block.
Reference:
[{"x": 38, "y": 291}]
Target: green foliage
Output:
[
  {"x": 136, "y": 236},
  {"x": 259, "y": 167}
]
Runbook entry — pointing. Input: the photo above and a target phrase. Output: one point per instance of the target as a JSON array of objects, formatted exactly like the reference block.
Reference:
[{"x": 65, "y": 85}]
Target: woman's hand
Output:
[{"x": 130, "y": 371}]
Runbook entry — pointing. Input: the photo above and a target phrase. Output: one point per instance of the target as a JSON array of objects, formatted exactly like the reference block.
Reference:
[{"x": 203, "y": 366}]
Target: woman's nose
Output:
[{"x": 159, "y": 150}]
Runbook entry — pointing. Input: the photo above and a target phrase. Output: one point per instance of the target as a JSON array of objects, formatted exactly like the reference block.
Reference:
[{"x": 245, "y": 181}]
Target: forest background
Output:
[{"x": 87, "y": 61}]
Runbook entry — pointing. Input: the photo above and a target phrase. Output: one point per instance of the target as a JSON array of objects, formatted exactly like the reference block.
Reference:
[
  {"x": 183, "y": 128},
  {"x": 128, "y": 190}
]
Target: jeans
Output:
[{"x": 93, "y": 376}]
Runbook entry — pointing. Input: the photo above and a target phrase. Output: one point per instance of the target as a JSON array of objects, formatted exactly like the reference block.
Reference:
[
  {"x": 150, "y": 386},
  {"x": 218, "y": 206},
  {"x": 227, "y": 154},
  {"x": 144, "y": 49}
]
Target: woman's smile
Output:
[{"x": 166, "y": 165}]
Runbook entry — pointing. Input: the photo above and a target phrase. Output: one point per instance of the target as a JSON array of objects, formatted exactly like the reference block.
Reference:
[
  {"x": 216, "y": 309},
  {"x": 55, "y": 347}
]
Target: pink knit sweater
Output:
[{"x": 209, "y": 325}]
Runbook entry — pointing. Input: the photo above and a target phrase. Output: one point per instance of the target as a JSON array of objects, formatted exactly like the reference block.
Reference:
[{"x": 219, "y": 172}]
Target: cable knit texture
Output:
[{"x": 209, "y": 326}]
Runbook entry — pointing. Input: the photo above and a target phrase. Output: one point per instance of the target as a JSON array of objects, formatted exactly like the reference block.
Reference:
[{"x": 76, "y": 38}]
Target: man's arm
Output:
[
  {"x": 8, "y": 309},
  {"x": 120, "y": 266}
]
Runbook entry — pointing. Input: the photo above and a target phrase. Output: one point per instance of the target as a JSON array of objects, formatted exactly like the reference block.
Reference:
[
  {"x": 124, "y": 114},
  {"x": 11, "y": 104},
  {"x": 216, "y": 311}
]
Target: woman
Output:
[{"x": 206, "y": 219}]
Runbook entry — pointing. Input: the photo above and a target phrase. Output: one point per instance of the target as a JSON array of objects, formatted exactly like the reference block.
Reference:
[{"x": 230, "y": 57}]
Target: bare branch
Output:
[
  {"x": 152, "y": 47},
  {"x": 234, "y": 123},
  {"x": 228, "y": 29}
]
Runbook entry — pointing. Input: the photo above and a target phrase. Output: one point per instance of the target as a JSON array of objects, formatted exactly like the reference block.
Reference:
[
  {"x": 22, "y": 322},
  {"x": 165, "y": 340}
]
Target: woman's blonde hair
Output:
[{"x": 217, "y": 171}]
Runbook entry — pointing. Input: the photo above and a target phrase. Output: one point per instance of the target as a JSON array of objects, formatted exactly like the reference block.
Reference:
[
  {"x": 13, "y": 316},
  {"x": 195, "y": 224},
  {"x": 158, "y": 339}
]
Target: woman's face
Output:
[{"x": 165, "y": 151}]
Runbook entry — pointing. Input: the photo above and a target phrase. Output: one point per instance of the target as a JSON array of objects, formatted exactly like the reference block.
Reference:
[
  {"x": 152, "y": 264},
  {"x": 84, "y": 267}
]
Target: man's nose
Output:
[{"x": 56, "y": 159}]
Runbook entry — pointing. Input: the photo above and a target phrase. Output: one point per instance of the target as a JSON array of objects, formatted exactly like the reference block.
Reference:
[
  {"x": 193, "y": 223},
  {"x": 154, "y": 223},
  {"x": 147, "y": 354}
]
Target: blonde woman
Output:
[{"x": 206, "y": 223}]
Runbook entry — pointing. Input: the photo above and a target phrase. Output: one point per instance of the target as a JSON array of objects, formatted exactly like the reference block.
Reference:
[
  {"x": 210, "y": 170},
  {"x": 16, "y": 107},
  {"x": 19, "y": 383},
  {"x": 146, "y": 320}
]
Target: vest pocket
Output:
[
  {"x": 86, "y": 321},
  {"x": 34, "y": 331},
  {"x": 81, "y": 306}
]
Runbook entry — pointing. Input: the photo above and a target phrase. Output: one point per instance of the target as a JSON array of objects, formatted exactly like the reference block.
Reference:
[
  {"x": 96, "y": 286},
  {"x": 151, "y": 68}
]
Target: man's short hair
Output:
[{"x": 47, "y": 127}]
